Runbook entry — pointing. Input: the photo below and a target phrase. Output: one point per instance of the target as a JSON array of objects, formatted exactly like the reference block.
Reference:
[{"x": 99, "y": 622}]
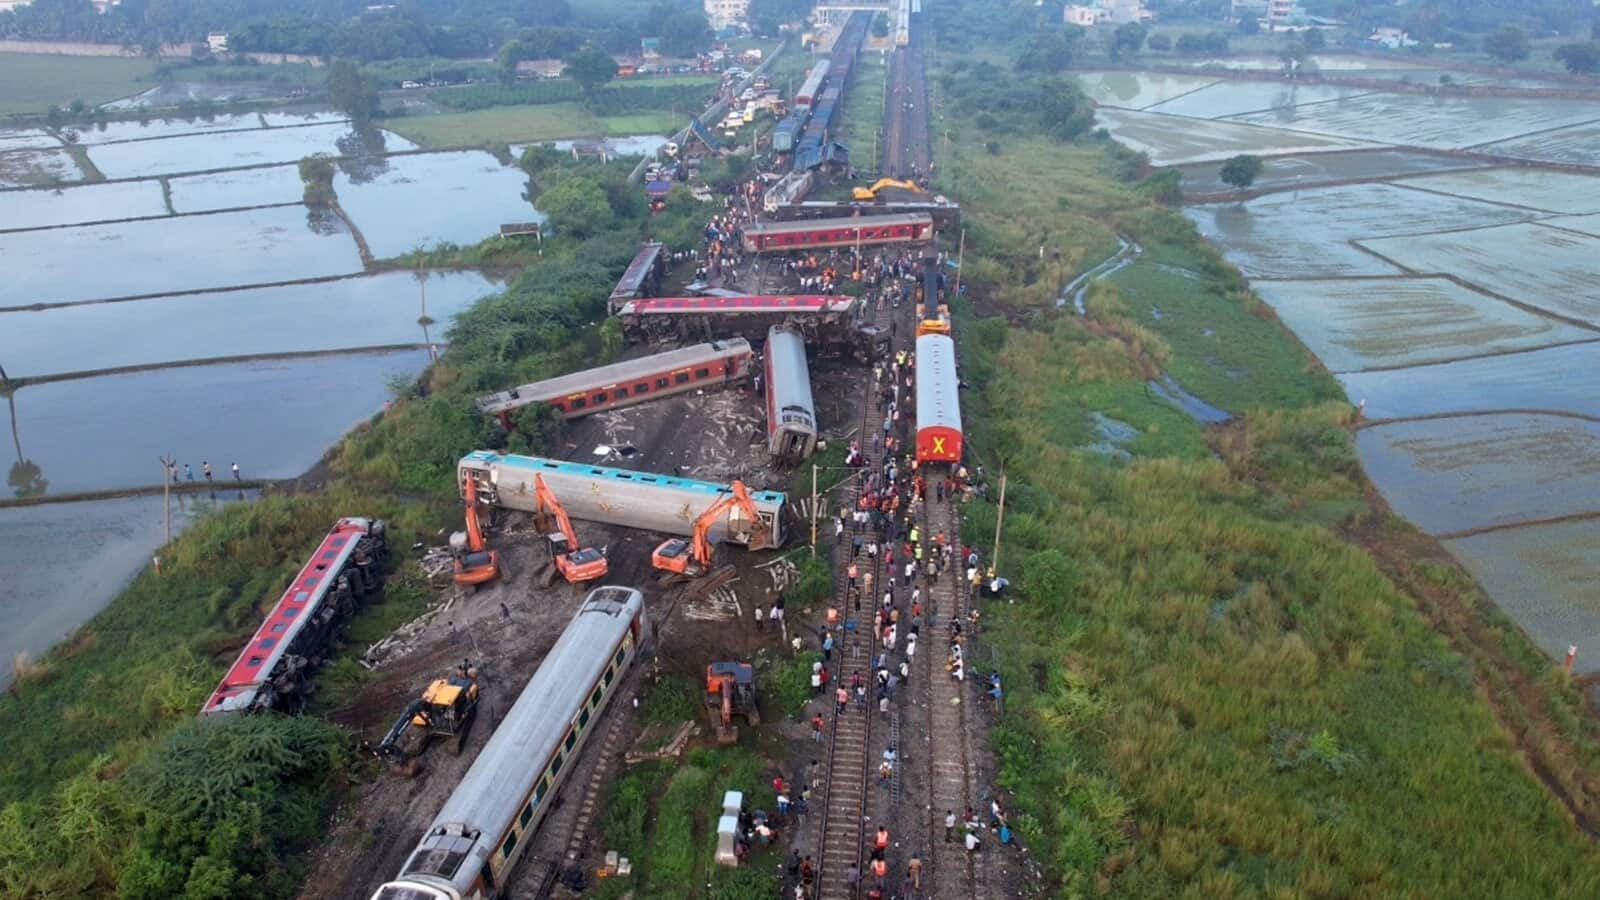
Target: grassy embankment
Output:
[
  {"x": 1212, "y": 689},
  {"x": 93, "y": 734}
]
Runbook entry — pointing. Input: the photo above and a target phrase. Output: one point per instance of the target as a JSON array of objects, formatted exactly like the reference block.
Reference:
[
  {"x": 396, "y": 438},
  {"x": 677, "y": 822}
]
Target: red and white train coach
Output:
[
  {"x": 272, "y": 670},
  {"x": 713, "y": 364},
  {"x": 807, "y": 234},
  {"x": 938, "y": 400}
]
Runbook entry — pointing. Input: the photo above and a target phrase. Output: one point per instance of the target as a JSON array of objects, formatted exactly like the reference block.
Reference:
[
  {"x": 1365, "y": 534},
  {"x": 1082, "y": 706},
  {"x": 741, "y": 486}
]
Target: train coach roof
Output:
[
  {"x": 605, "y": 376},
  {"x": 938, "y": 389},
  {"x": 584, "y": 470},
  {"x": 539, "y": 717}
]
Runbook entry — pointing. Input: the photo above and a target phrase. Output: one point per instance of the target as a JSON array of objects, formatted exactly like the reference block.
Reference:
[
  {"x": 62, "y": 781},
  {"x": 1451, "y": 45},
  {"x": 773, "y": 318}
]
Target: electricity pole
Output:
[{"x": 168, "y": 467}]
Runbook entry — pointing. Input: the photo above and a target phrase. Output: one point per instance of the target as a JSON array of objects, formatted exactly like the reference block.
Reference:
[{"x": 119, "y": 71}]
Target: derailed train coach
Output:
[
  {"x": 470, "y": 849},
  {"x": 938, "y": 400},
  {"x": 791, "y": 413},
  {"x": 832, "y": 324},
  {"x": 623, "y": 497}
]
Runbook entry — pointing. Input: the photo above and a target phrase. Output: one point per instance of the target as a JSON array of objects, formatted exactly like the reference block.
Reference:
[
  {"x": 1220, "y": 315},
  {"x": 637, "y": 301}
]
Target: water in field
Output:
[
  {"x": 1137, "y": 90},
  {"x": 225, "y": 150},
  {"x": 1578, "y": 144},
  {"x": 41, "y": 166},
  {"x": 231, "y": 190},
  {"x": 1177, "y": 140},
  {"x": 1371, "y": 323},
  {"x": 1440, "y": 122},
  {"x": 1540, "y": 189},
  {"x": 94, "y": 262},
  {"x": 1232, "y": 98},
  {"x": 47, "y": 207},
  {"x": 351, "y": 313},
  {"x": 27, "y": 139},
  {"x": 275, "y": 417},
  {"x": 427, "y": 199},
  {"x": 1453, "y": 475},
  {"x": 1560, "y": 379},
  {"x": 622, "y": 145},
  {"x": 147, "y": 129}
]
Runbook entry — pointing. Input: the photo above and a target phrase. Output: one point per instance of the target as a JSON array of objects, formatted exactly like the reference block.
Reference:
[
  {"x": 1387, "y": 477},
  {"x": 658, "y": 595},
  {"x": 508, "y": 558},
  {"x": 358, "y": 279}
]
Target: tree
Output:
[
  {"x": 1046, "y": 51},
  {"x": 1249, "y": 24},
  {"x": 1241, "y": 171},
  {"x": 511, "y": 53},
  {"x": 1315, "y": 40},
  {"x": 1508, "y": 44},
  {"x": 1190, "y": 44},
  {"x": 1582, "y": 58},
  {"x": 685, "y": 33},
  {"x": 1159, "y": 43},
  {"x": 590, "y": 67},
  {"x": 577, "y": 207},
  {"x": 1127, "y": 39},
  {"x": 352, "y": 92},
  {"x": 1216, "y": 42}
]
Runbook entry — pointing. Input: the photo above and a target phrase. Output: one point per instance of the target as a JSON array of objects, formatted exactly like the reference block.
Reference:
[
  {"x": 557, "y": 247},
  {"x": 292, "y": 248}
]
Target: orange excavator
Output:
[
  {"x": 475, "y": 564},
  {"x": 730, "y": 691},
  {"x": 693, "y": 556},
  {"x": 575, "y": 564}
]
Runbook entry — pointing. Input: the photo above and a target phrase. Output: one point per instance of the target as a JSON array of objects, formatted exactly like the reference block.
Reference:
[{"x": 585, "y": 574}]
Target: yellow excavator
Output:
[
  {"x": 693, "y": 556},
  {"x": 868, "y": 194}
]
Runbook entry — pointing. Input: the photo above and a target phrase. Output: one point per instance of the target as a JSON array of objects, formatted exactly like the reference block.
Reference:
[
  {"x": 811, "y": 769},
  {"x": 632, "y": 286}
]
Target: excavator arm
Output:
[
  {"x": 577, "y": 564},
  {"x": 549, "y": 503},
  {"x": 474, "y": 530},
  {"x": 701, "y": 551}
]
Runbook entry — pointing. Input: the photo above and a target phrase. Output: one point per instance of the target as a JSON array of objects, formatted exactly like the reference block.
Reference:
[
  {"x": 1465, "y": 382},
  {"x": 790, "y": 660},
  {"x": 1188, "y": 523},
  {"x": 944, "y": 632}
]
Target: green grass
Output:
[
  {"x": 518, "y": 124},
  {"x": 863, "y": 109},
  {"x": 1211, "y": 693},
  {"x": 31, "y": 83}
]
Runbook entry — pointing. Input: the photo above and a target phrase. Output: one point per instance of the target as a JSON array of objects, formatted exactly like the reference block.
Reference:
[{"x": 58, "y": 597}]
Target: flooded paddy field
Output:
[
  {"x": 49, "y": 207},
  {"x": 1137, "y": 90},
  {"x": 224, "y": 150},
  {"x": 1452, "y": 295},
  {"x": 28, "y": 139},
  {"x": 230, "y": 190},
  {"x": 1542, "y": 189},
  {"x": 1547, "y": 268},
  {"x": 1560, "y": 379},
  {"x": 468, "y": 195},
  {"x": 91, "y": 262},
  {"x": 137, "y": 130},
  {"x": 1454, "y": 475},
  {"x": 1577, "y": 145},
  {"x": 110, "y": 540},
  {"x": 274, "y": 417},
  {"x": 1175, "y": 140},
  {"x": 1543, "y": 576},
  {"x": 1437, "y": 122},
  {"x": 370, "y": 311},
  {"x": 1390, "y": 322},
  {"x": 30, "y": 168},
  {"x": 1230, "y": 98},
  {"x": 1311, "y": 170},
  {"x": 1307, "y": 234}
]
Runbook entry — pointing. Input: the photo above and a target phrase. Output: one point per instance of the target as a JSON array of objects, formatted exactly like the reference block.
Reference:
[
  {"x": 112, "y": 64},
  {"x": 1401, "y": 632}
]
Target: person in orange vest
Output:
[
  {"x": 882, "y": 840},
  {"x": 880, "y": 870}
]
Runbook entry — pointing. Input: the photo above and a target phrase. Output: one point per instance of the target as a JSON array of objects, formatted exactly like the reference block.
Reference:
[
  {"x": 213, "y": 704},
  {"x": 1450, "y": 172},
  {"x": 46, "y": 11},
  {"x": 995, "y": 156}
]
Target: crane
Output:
[
  {"x": 576, "y": 565},
  {"x": 475, "y": 564},
  {"x": 693, "y": 556}
]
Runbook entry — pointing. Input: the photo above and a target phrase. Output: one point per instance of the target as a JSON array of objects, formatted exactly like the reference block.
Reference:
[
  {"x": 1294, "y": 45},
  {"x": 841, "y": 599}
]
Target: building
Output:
[
  {"x": 541, "y": 68},
  {"x": 1391, "y": 38},
  {"x": 1107, "y": 12},
  {"x": 217, "y": 42},
  {"x": 9, "y": 5},
  {"x": 725, "y": 13}
]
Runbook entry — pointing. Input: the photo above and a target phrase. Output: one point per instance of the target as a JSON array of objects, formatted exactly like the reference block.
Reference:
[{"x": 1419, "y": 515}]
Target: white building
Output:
[
  {"x": 217, "y": 42},
  {"x": 9, "y": 5},
  {"x": 1391, "y": 38},
  {"x": 723, "y": 13},
  {"x": 1107, "y": 12}
]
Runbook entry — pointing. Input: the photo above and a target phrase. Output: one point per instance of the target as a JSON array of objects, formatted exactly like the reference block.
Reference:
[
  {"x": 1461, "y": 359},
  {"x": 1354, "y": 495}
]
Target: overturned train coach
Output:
[
  {"x": 621, "y": 497},
  {"x": 710, "y": 365},
  {"x": 791, "y": 414},
  {"x": 472, "y": 846},
  {"x": 832, "y": 325},
  {"x": 272, "y": 671}
]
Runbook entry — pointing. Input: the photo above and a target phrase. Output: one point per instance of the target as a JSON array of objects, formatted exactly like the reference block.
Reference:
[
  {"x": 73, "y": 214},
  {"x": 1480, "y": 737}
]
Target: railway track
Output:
[{"x": 841, "y": 826}]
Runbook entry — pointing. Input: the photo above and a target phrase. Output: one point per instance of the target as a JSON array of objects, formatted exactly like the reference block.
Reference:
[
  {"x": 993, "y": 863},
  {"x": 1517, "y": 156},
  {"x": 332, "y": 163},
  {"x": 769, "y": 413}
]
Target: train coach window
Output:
[
  {"x": 642, "y": 387},
  {"x": 622, "y": 392},
  {"x": 544, "y": 788},
  {"x": 622, "y": 653},
  {"x": 579, "y": 403},
  {"x": 559, "y": 406},
  {"x": 526, "y": 817},
  {"x": 611, "y": 674},
  {"x": 555, "y": 764},
  {"x": 681, "y": 378},
  {"x": 702, "y": 373},
  {"x": 583, "y": 719},
  {"x": 600, "y": 398},
  {"x": 661, "y": 382},
  {"x": 594, "y": 698},
  {"x": 508, "y": 846},
  {"x": 571, "y": 741}
]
